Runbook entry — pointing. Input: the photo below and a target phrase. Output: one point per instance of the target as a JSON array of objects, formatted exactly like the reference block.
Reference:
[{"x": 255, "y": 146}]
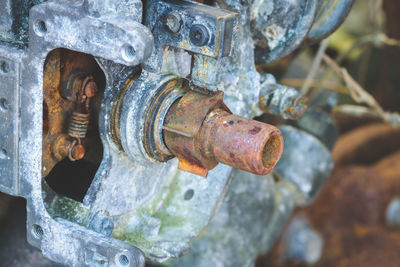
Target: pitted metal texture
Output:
[{"x": 140, "y": 206}]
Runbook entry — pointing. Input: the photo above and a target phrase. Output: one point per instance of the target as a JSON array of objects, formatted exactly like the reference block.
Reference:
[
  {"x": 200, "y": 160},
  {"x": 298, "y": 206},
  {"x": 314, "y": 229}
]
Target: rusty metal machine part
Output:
[
  {"x": 67, "y": 93},
  {"x": 201, "y": 131},
  {"x": 282, "y": 100},
  {"x": 169, "y": 93},
  {"x": 196, "y": 126},
  {"x": 70, "y": 87}
]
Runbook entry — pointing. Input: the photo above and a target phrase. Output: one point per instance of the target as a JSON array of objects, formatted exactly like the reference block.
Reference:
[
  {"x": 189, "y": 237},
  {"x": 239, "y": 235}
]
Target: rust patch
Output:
[
  {"x": 349, "y": 212},
  {"x": 58, "y": 107},
  {"x": 255, "y": 130}
]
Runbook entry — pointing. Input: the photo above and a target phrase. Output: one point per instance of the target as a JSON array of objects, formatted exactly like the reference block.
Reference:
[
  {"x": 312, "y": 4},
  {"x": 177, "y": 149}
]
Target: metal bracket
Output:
[
  {"x": 203, "y": 30},
  {"x": 59, "y": 24}
]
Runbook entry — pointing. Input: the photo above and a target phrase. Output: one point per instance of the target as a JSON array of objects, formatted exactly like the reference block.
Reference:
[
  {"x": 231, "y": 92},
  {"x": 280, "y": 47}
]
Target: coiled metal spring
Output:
[{"x": 78, "y": 125}]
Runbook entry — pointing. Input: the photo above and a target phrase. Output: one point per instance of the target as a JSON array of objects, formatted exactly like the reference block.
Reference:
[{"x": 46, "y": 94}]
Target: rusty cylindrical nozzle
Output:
[
  {"x": 243, "y": 143},
  {"x": 201, "y": 131}
]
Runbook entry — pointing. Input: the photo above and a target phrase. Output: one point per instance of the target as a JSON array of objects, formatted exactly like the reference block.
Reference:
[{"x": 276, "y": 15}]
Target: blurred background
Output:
[{"x": 355, "y": 221}]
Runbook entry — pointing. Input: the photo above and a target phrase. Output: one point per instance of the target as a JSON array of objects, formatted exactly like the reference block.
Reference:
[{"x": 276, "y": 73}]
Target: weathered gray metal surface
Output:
[
  {"x": 302, "y": 243},
  {"x": 282, "y": 26},
  {"x": 135, "y": 203},
  {"x": 59, "y": 240},
  {"x": 148, "y": 206},
  {"x": 320, "y": 124},
  {"x": 229, "y": 241},
  {"x": 9, "y": 94},
  {"x": 14, "y": 250},
  {"x": 121, "y": 39},
  {"x": 6, "y": 20},
  {"x": 331, "y": 14},
  {"x": 306, "y": 163},
  {"x": 14, "y": 22}
]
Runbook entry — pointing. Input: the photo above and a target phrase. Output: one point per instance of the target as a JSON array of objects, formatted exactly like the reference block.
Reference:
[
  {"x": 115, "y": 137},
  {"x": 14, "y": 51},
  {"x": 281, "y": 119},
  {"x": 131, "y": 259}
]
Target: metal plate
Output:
[{"x": 9, "y": 73}]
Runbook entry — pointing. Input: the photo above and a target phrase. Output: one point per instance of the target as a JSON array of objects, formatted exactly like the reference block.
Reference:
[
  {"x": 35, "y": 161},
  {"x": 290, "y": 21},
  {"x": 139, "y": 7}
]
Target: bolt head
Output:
[
  {"x": 173, "y": 22},
  {"x": 78, "y": 152},
  {"x": 91, "y": 89},
  {"x": 199, "y": 35}
]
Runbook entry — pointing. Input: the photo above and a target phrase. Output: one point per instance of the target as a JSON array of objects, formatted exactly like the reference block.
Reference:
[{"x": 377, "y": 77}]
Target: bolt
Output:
[
  {"x": 63, "y": 147},
  {"x": 393, "y": 213},
  {"x": 199, "y": 35},
  {"x": 173, "y": 22},
  {"x": 79, "y": 86},
  {"x": 89, "y": 87},
  {"x": 282, "y": 100},
  {"x": 101, "y": 222},
  {"x": 76, "y": 152}
]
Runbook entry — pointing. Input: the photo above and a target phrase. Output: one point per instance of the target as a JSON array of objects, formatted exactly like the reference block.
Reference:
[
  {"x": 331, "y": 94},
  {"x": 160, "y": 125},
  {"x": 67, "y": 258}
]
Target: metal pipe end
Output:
[
  {"x": 247, "y": 144},
  {"x": 272, "y": 151},
  {"x": 201, "y": 131}
]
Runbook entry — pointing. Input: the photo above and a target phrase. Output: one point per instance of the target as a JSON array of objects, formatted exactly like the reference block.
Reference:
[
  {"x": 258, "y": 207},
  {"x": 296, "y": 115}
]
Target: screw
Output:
[
  {"x": 76, "y": 151},
  {"x": 199, "y": 35},
  {"x": 174, "y": 22},
  {"x": 89, "y": 87},
  {"x": 79, "y": 86}
]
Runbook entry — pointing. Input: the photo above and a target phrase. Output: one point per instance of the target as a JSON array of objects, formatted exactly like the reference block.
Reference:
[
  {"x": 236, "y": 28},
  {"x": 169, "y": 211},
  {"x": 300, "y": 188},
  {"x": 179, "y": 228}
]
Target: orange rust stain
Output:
[{"x": 188, "y": 166}]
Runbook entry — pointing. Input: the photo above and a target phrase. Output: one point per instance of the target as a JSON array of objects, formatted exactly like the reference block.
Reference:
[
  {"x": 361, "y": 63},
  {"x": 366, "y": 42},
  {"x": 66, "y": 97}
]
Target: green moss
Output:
[
  {"x": 168, "y": 199},
  {"x": 68, "y": 209},
  {"x": 136, "y": 238}
]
